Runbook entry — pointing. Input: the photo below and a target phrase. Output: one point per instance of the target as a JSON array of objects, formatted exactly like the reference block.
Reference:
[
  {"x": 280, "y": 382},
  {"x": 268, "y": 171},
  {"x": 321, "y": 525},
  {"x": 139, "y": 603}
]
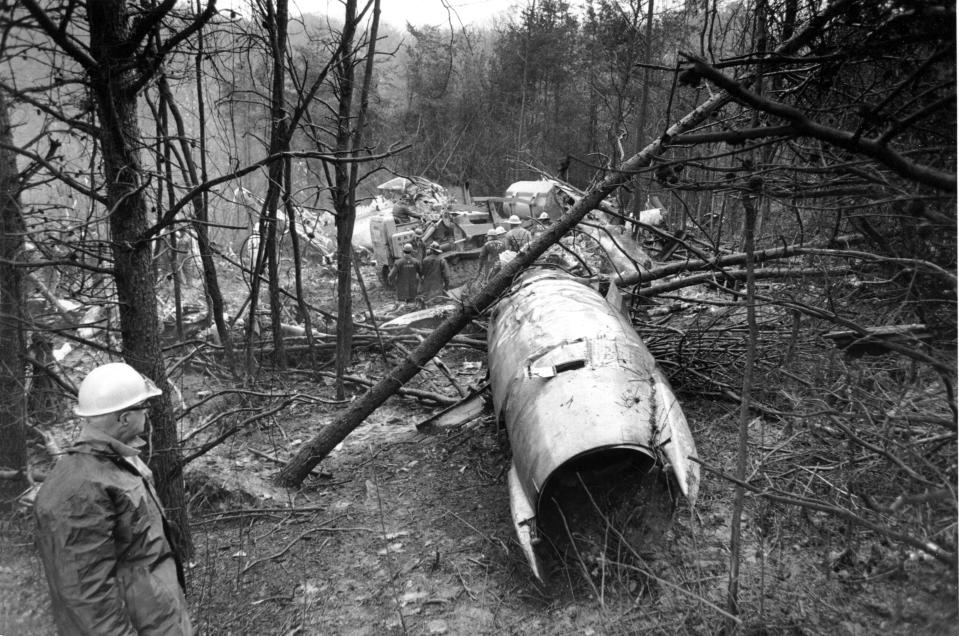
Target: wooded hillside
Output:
[{"x": 183, "y": 187}]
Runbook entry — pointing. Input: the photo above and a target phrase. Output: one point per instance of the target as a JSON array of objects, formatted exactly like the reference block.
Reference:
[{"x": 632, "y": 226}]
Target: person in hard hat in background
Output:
[
  {"x": 434, "y": 274},
  {"x": 443, "y": 231},
  {"x": 419, "y": 247},
  {"x": 405, "y": 275},
  {"x": 101, "y": 532},
  {"x": 542, "y": 224},
  {"x": 489, "y": 263},
  {"x": 518, "y": 238}
]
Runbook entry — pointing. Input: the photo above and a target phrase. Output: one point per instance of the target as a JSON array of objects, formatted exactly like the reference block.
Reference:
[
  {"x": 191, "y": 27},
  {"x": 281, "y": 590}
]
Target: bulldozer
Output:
[{"x": 460, "y": 231}]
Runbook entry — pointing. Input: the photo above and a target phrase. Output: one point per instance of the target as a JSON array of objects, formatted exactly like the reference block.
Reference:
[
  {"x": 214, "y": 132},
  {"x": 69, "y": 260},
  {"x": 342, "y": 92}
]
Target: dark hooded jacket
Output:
[
  {"x": 405, "y": 275},
  {"x": 435, "y": 276},
  {"x": 105, "y": 544}
]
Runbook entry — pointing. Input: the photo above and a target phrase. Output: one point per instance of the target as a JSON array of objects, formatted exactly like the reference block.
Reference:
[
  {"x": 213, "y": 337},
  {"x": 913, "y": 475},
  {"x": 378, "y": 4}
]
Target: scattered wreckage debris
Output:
[
  {"x": 419, "y": 319},
  {"x": 593, "y": 424},
  {"x": 470, "y": 407}
]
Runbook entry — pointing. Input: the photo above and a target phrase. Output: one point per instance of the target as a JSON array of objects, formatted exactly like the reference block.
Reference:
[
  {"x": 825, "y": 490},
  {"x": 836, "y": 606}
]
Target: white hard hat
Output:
[
  {"x": 408, "y": 247},
  {"x": 500, "y": 230},
  {"x": 544, "y": 217},
  {"x": 111, "y": 388},
  {"x": 490, "y": 232},
  {"x": 514, "y": 220}
]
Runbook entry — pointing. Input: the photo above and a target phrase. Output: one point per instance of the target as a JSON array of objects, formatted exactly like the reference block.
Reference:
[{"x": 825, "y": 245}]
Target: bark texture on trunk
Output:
[
  {"x": 13, "y": 449},
  {"x": 112, "y": 83},
  {"x": 342, "y": 203}
]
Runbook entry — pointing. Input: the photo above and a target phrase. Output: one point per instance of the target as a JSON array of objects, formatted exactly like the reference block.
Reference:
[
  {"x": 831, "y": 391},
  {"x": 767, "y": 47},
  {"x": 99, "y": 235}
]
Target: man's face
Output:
[{"x": 131, "y": 423}]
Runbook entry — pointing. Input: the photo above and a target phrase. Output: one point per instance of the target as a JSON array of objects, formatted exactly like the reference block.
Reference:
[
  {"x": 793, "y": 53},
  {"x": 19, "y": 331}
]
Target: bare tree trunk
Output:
[
  {"x": 201, "y": 216},
  {"x": 13, "y": 412},
  {"x": 276, "y": 20},
  {"x": 343, "y": 202},
  {"x": 116, "y": 103},
  {"x": 742, "y": 454},
  {"x": 643, "y": 105},
  {"x": 279, "y": 142},
  {"x": 297, "y": 259}
]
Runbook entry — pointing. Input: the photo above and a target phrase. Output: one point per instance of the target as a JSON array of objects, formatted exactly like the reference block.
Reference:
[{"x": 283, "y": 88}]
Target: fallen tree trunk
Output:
[
  {"x": 738, "y": 274},
  {"x": 718, "y": 263},
  {"x": 312, "y": 452}
]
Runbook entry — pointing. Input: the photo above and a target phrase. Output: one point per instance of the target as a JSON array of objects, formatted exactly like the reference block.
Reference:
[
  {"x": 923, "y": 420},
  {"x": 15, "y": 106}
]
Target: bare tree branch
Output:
[{"x": 873, "y": 148}]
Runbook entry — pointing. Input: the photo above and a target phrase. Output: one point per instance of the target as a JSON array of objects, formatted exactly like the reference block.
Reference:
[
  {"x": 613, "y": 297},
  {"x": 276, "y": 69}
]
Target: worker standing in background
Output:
[
  {"x": 542, "y": 224},
  {"x": 443, "y": 232},
  {"x": 405, "y": 275},
  {"x": 419, "y": 247},
  {"x": 518, "y": 238},
  {"x": 434, "y": 274},
  {"x": 101, "y": 532},
  {"x": 489, "y": 256}
]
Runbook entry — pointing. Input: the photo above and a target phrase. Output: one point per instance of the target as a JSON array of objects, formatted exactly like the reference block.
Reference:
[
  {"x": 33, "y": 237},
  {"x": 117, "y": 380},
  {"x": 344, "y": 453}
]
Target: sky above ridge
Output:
[{"x": 419, "y": 12}]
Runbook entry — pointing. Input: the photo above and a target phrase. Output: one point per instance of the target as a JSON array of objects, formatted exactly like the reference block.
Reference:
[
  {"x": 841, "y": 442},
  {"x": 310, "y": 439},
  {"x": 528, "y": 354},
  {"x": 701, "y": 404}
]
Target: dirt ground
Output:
[{"x": 403, "y": 532}]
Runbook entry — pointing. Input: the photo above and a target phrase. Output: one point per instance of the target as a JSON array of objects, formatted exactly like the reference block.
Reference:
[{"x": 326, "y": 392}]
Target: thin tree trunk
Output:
[
  {"x": 297, "y": 259},
  {"x": 742, "y": 453},
  {"x": 279, "y": 142},
  {"x": 643, "y": 106},
  {"x": 200, "y": 222},
  {"x": 343, "y": 203},
  {"x": 13, "y": 412}
]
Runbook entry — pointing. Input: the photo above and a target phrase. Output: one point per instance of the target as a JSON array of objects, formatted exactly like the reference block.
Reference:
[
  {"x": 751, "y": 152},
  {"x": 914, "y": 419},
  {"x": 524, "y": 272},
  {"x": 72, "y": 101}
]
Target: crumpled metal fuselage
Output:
[{"x": 572, "y": 379}]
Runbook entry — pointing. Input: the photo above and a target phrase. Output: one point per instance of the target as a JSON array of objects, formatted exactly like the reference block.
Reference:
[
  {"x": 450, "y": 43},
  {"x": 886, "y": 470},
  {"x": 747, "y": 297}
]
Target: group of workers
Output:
[
  {"x": 421, "y": 273},
  {"x": 498, "y": 240},
  {"x": 427, "y": 277}
]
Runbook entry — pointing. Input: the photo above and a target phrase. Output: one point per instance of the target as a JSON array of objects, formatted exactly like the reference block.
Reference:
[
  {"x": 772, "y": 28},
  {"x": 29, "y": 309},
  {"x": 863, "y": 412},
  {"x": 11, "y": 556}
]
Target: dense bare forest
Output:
[{"x": 194, "y": 189}]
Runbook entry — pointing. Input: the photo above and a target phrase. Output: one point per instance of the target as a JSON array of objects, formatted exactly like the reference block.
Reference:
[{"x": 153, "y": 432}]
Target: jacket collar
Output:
[{"x": 98, "y": 440}]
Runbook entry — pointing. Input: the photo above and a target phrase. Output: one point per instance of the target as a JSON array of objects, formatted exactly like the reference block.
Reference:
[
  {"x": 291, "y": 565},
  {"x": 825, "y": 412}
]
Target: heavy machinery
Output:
[
  {"x": 529, "y": 199},
  {"x": 460, "y": 230},
  {"x": 462, "y": 237}
]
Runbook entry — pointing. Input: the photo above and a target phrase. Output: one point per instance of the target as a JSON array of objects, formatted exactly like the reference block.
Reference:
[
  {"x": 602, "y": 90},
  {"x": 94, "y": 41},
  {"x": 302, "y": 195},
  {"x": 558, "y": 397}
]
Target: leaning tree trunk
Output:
[
  {"x": 116, "y": 101},
  {"x": 13, "y": 449}
]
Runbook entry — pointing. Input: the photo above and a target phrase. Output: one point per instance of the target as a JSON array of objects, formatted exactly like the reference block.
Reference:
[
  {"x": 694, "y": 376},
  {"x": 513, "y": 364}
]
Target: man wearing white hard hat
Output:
[
  {"x": 489, "y": 263},
  {"x": 102, "y": 535},
  {"x": 518, "y": 238},
  {"x": 542, "y": 224}
]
